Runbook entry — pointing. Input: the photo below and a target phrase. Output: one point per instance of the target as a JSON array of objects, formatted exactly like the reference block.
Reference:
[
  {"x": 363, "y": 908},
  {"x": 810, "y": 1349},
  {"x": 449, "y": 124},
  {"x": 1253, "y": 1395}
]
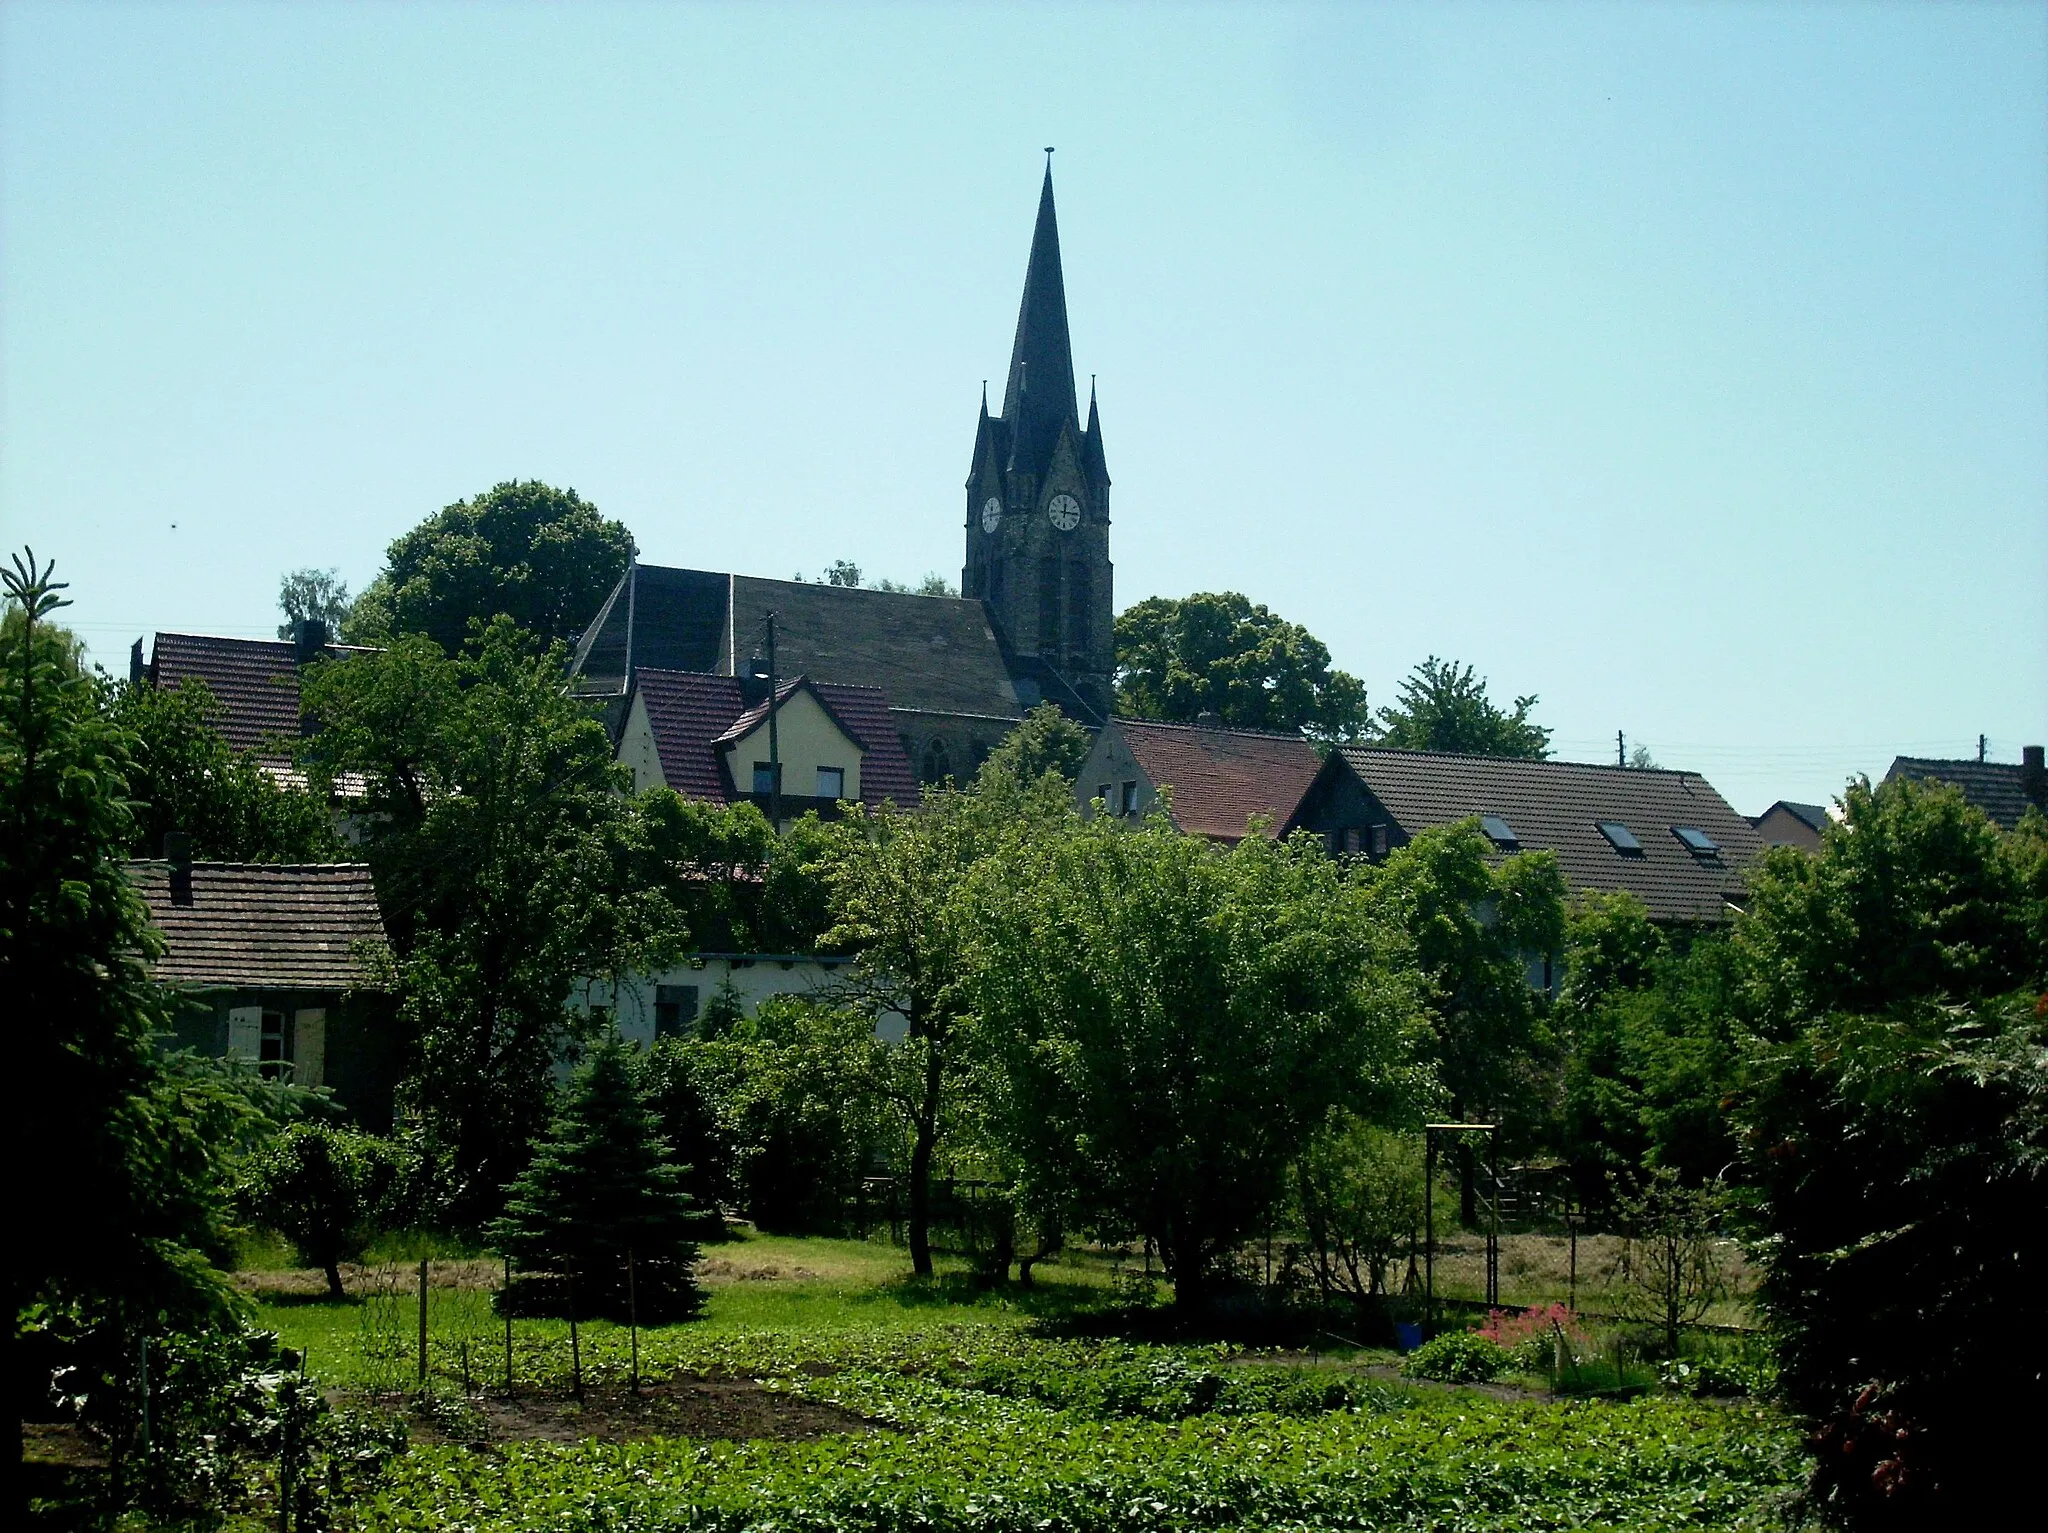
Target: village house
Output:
[
  {"x": 2004, "y": 790},
  {"x": 256, "y": 682},
  {"x": 1789, "y": 824},
  {"x": 1665, "y": 837},
  {"x": 275, "y": 964},
  {"x": 1218, "y": 781}
]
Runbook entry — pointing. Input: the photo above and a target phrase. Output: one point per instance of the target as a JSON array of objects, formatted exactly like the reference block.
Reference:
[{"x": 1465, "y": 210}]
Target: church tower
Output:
[{"x": 1038, "y": 503}]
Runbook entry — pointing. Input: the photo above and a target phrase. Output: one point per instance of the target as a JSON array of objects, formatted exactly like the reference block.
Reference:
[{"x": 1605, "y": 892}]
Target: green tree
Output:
[
  {"x": 1444, "y": 707},
  {"x": 117, "y": 1209},
  {"x": 506, "y": 858},
  {"x": 312, "y": 596},
  {"x": 1651, "y": 1033},
  {"x": 1166, "y": 1024},
  {"x": 541, "y": 556},
  {"x": 603, "y": 1194},
  {"x": 740, "y": 887},
  {"x": 322, "y": 1188},
  {"x": 1478, "y": 928},
  {"x": 1670, "y": 1264},
  {"x": 182, "y": 776},
  {"x": 1896, "y": 1144},
  {"x": 1358, "y": 1192},
  {"x": 1046, "y": 741},
  {"x": 1215, "y": 652}
]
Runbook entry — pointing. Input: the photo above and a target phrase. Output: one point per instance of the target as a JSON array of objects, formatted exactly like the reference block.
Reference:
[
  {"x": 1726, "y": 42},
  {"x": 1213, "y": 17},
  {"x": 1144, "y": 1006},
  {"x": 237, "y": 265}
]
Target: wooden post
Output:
[
  {"x": 1571, "y": 1224},
  {"x": 633, "y": 1316},
  {"x": 144, "y": 1371},
  {"x": 506, "y": 1304},
  {"x": 423, "y": 1322},
  {"x": 575, "y": 1347},
  {"x": 1428, "y": 1233}
]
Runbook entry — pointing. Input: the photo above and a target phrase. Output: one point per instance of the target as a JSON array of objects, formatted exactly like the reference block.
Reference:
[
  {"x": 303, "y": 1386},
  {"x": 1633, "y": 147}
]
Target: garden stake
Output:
[
  {"x": 506, "y": 1300},
  {"x": 575, "y": 1349},
  {"x": 145, "y": 1398},
  {"x": 423, "y": 1323},
  {"x": 633, "y": 1317}
]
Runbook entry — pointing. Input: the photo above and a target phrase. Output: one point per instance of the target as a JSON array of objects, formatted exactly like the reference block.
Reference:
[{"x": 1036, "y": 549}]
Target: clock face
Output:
[
  {"x": 1065, "y": 512},
  {"x": 991, "y": 514}
]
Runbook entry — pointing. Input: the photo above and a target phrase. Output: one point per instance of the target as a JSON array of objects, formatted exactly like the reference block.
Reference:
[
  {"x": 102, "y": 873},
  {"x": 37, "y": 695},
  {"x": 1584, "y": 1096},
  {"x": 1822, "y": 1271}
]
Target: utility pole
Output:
[
  {"x": 1982, "y": 746},
  {"x": 1620, "y": 750},
  {"x": 774, "y": 738}
]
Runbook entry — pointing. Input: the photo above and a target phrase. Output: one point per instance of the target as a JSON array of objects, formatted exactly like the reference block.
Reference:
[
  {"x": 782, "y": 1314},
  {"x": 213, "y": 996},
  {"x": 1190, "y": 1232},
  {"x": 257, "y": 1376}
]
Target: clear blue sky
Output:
[{"x": 1684, "y": 364}]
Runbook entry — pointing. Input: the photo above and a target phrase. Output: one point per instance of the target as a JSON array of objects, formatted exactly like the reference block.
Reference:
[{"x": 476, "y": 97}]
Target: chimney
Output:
[
  {"x": 135, "y": 664},
  {"x": 2034, "y": 777},
  {"x": 178, "y": 853},
  {"x": 754, "y": 681},
  {"x": 309, "y": 640}
]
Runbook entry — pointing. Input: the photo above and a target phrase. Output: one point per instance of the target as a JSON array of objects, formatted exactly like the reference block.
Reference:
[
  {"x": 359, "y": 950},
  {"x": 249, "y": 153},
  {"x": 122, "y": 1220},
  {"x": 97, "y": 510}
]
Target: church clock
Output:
[
  {"x": 991, "y": 514},
  {"x": 1065, "y": 512}
]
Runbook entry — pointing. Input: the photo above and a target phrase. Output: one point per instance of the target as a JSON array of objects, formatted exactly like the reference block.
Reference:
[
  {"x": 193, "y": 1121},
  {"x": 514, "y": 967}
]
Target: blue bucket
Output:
[{"x": 1407, "y": 1334}]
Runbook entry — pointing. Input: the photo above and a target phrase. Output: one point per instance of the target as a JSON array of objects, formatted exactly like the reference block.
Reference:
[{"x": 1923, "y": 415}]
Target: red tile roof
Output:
[
  {"x": 1222, "y": 778},
  {"x": 255, "y": 681},
  {"x": 691, "y": 712},
  {"x": 264, "y": 926}
]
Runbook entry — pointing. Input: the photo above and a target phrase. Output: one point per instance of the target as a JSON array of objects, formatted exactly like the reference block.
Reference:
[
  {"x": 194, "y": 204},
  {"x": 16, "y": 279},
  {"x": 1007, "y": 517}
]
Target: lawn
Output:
[{"x": 824, "y": 1388}]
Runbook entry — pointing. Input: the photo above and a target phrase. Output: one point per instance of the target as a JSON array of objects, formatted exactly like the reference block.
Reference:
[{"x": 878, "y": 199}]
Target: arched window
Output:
[{"x": 938, "y": 765}]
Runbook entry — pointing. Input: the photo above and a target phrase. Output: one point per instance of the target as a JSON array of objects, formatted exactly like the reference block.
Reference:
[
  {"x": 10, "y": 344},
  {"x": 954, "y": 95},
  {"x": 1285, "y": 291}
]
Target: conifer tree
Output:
[{"x": 604, "y": 1187}]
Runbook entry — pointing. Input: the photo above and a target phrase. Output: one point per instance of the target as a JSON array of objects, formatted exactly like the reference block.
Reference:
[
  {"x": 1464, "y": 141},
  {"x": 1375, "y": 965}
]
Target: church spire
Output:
[{"x": 1039, "y": 398}]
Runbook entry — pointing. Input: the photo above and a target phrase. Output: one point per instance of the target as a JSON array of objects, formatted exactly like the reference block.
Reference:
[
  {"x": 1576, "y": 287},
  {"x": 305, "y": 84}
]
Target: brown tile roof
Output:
[
  {"x": 1992, "y": 786},
  {"x": 1221, "y": 778},
  {"x": 255, "y": 680},
  {"x": 1556, "y": 806},
  {"x": 690, "y": 713},
  {"x": 263, "y": 926}
]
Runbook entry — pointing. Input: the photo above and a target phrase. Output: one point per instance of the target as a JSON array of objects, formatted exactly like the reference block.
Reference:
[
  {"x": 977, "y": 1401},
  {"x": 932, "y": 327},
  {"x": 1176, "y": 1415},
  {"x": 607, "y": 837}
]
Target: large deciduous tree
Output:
[
  {"x": 505, "y": 855},
  {"x": 1443, "y": 706},
  {"x": 312, "y": 596},
  {"x": 184, "y": 777},
  {"x": 541, "y": 556},
  {"x": 1215, "y": 652},
  {"x": 1894, "y": 1129},
  {"x": 1166, "y": 1024},
  {"x": 1478, "y": 927}
]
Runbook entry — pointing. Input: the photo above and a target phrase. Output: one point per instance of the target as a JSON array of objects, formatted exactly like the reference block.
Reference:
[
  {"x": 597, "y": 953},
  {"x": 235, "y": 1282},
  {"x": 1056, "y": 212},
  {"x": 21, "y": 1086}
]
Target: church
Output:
[{"x": 1033, "y": 622}]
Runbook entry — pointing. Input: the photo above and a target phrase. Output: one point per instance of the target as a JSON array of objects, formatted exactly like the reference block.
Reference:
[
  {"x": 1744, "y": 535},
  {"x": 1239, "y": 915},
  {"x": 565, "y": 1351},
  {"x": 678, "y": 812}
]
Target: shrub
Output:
[
  {"x": 1458, "y": 1357},
  {"x": 1531, "y": 1335}
]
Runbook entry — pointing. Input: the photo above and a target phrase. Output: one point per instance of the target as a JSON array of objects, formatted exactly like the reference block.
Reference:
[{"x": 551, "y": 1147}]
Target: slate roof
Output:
[
  {"x": 255, "y": 680},
  {"x": 932, "y": 654},
  {"x": 1993, "y": 786},
  {"x": 263, "y": 926},
  {"x": 1555, "y": 806},
  {"x": 1221, "y": 778},
  {"x": 690, "y": 713}
]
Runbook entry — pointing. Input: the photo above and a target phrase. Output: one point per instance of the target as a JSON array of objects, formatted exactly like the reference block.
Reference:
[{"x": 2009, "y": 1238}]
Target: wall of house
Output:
[
  {"x": 1109, "y": 763},
  {"x": 1343, "y": 811},
  {"x": 755, "y": 977},
  {"x": 637, "y": 749},
  {"x": 1780, "y": 827},
  {"x": 808, "y": 739},
  {"x": 346, "y": 1043}
]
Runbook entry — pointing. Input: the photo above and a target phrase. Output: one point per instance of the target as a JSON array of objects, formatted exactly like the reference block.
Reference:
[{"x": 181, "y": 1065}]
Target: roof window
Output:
[
  {"x": 1621, "y": 838},
  {"x": 1499, "y": 832},
  {"x": 1696, "y": 841}
]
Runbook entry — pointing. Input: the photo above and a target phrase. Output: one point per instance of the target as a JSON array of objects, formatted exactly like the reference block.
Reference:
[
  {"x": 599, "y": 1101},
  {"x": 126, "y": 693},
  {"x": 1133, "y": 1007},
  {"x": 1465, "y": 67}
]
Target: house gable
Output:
[{"x": 813, "y": 743}]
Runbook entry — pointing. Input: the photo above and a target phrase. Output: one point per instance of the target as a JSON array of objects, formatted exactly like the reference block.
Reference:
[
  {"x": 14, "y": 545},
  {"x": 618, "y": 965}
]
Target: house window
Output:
[
  {"x": 1353, "y": 839},
  {"x": 1379, "y": 840},
  {"x": 938, "y": 763},
  {"x": 675, "y": 1010},
  {"x": 270, "y": 1058},
  {"x": 1102, "y": 791},
  {"x": 1130, "y": 798},
  {"x": 832, "y": 782},
  {"x": 764, "y": 777}
]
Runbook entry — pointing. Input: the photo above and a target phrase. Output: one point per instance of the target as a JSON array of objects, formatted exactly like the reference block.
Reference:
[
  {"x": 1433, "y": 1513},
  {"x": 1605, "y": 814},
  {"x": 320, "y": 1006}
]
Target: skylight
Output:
[
  {"x": 1499, "y": 832},
  {"x": 1621, "y": 838},
  {"x": 1696, "y": 841}
]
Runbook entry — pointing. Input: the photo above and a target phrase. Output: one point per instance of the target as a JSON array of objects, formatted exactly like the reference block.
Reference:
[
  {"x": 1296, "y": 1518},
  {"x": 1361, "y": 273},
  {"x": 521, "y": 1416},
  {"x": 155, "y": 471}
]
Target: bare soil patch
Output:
[
  {"x": 307, "y": 1284},
  {"x": 687, "y": 1405}
]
